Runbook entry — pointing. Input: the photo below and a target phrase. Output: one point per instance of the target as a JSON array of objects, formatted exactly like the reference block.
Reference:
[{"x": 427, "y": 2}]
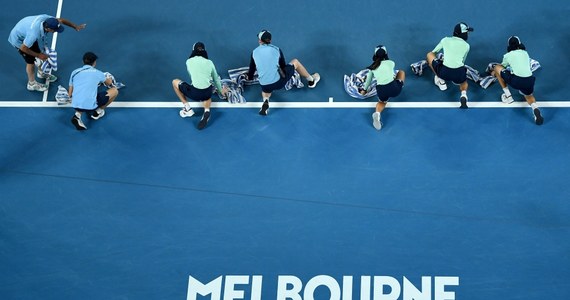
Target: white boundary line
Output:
[
  {"x": 53, "y": 44},
  {"x": 177, "y": 104}
]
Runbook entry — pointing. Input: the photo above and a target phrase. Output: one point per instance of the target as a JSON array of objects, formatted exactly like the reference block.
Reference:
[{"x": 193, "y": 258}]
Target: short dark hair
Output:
[{"x": 89, "y": 58}]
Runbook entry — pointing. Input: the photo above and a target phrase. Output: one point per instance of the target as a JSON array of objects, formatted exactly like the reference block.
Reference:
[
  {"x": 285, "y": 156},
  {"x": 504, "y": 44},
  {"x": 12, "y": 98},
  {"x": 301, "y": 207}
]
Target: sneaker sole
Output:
[
  {"x": 463, "y": 103},
  {"x": 315, "y": 82},
  {"x": 203, "y": 122},
  {"x": 376, "y": 123},
  {"x": 538, "y": 119},
  {"x": 98, "y": 116},
  {"x": 182, "y": 115},
  {"x": 264, "y": 110},
  {"x": 78, "y": 126}
]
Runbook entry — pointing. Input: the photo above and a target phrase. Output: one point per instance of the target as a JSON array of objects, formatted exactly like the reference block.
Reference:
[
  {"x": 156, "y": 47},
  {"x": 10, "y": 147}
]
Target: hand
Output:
[
  {"x": 224, "y": 92},
  {"x": 42, "y": 56},
  {"x": 362, "y": 92},
  {"x": 80, "y": 27}
]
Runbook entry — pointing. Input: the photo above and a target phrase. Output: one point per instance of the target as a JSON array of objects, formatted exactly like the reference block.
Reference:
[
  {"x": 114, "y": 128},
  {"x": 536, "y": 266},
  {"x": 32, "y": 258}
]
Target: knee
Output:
[
  {"x": 498, "y": 69},
  {"x": 112, "y": 93},
  {"x": 294, "y": 62}
]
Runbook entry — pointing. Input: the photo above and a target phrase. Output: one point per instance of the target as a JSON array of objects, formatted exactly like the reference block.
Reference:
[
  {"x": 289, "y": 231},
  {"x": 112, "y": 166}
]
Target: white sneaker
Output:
[
  {"x": 316, "y": 79},
  {"x": 376, "y": 121},
  {"x": 186, "y": 113},
  {"x": 47, "y": 77},
  {"x": 507, "y": 100},
  {"x": 440, "y": 83},
  {"x": 36, "y": 86},
  {"x": 78, "y": 123},
  {"x": 98, "y": 114}
]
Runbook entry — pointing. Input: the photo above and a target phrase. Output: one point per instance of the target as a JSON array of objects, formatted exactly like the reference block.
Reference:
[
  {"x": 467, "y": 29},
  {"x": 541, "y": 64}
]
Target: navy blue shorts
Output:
[
  {"x": 194, "y": 93},
  {"x": 28, "y": 58},
  {"x": 523, "y": 84},
  {"x": 387, "y": 91},
  {"x": 279, "y": 84},
  {"x": 102, "y": 100},
  {"x": 457, "y": 75}
]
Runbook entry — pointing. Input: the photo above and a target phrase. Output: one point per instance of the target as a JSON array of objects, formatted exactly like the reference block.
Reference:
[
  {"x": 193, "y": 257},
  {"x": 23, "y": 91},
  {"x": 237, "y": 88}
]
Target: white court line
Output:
[
  {"x": 53, "y": 44},
  {"x": 177, "y": 104}
]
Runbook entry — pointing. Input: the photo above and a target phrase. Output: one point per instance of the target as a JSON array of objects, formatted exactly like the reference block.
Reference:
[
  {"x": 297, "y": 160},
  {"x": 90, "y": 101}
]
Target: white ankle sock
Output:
[
  {"x": 534, "y": 105},
  {"x": 507, "y": 92}
]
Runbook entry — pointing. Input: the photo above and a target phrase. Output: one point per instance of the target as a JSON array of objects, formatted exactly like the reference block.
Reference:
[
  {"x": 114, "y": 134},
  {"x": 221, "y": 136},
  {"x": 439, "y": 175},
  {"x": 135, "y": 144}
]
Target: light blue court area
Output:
[
  {"x": 310, "y": 202},
  {"x": 142, "y": 200}
]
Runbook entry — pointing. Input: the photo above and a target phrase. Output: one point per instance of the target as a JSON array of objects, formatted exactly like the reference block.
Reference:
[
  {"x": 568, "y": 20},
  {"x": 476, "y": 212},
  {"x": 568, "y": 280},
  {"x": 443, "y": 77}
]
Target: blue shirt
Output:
[
  {"x": 267, "y": 62},
  {"x": 29, "y": 30},
  {"x": 85, "y": 81}
]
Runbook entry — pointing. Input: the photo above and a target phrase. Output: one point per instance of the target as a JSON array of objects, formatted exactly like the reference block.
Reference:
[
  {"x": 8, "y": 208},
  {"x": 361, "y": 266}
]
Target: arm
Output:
[
  {"x": 216, "y": 80},
  {"x": 438, "y": 47},
  {"x": 282, "y": 62},
  {"x": 368, "y": 80},
  {"x": 252, "y": 69},
  {"x": 71, "y": 24},
  {"x": 29, "y": 51},
  {"x": 505, "y": 62},
  {"x": 70, "y": 91}
]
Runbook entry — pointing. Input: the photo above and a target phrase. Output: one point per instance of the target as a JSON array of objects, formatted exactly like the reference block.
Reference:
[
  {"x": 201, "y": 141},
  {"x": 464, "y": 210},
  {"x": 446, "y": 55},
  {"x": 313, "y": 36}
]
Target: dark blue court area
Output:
[{"x": 142, "y": 204}]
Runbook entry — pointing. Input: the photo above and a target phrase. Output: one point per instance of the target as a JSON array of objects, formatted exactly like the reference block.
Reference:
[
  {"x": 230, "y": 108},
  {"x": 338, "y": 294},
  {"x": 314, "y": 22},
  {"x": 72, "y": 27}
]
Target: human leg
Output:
[
  {"x": 206, "y": 116},
  {"x": 538, "y": 119},
  {"x": 463, "y": 98},
  {"x": 312, "y": 80},
  {"x": 265, "y": 106},
  {"x": 435, "y": 66},
  {"x": 498, "y": 72},
  {"x": 179, "y": 86}
]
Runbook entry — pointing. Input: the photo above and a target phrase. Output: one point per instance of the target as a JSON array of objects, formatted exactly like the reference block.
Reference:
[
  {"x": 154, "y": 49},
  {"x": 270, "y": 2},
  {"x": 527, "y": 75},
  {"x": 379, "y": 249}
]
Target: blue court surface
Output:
[{"x": 310, "y": 202}]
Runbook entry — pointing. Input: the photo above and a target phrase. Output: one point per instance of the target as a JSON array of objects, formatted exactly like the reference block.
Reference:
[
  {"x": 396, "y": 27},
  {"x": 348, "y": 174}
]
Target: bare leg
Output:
[
  {"x": 401, "y": 75},
  {"x": 300, "y": 68},
  {"x": 430, "y": 57},
  {"x": 181, "y": 96},
  {"x": 112, "y": 93},
  {"x": 497, "y": 73},
  {"x": 30, "y": 70},
  {"x": 207, "y": 104},
  {"x": 380, "y": 106}
]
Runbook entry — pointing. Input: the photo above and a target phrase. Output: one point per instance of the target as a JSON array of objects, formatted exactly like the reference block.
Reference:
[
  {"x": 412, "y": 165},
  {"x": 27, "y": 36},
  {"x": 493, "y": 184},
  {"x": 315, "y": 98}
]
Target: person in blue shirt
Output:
[
  {"x": 29, "y": 36},
  {"x": 272, "y": 71},
  {"x": 518, "y": 75},
  {"x": 84, "y": 91}
]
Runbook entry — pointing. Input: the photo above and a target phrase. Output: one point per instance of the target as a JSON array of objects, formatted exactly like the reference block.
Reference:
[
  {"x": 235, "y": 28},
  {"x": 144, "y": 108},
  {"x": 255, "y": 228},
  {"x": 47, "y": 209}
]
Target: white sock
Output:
[
  {"x": 507, "y": 92},
  {"x": 187, "y": 106},
  {"x": 206, "y": 109},
  {"x": 464, "y": 94},
  {"x": 78, "y": 114},
  {"x": 310, "y": 78},
  {"x": 534, "y": 105},
  {"x": 265, "y": 99}
]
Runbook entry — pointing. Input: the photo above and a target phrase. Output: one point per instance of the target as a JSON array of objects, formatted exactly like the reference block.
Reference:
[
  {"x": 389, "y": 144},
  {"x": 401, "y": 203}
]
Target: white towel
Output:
[
  {"x": 355, "y": 82},
  {"x": 49, "y": 65},
  {"x": 62, "y": 96},
  {"x": 234, "y": 89},
  {"x": 114, "y": 84}
]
